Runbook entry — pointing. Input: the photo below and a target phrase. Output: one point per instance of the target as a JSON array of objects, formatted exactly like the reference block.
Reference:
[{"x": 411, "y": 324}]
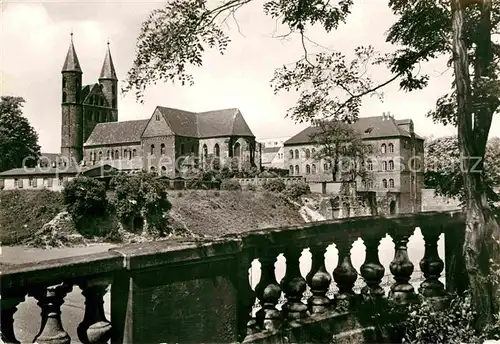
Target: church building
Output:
[{"x": 170, "y": 143}]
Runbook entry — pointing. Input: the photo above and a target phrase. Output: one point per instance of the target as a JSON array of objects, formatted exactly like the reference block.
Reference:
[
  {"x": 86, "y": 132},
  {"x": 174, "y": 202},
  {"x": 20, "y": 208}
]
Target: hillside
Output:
[
  {"x": 24, "y": 212},
  {"x": 216, "y": 213},
  {"x": 194, "y": 212}
]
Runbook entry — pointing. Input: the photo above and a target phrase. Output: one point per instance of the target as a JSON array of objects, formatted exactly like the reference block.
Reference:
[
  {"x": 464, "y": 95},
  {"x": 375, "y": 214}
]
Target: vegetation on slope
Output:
[{"x": 24, "y": 212}]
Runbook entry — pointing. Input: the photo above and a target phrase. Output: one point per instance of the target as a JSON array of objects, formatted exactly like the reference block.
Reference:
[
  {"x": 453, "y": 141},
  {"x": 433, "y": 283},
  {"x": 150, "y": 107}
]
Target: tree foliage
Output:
[
  {"x": 18, "y": 139},
  {"x": 341, "y": 145},
  {"x": 141, "y": 196},
  {"x": 85, "y": 198},
  {"x": 443, "y": 169}
]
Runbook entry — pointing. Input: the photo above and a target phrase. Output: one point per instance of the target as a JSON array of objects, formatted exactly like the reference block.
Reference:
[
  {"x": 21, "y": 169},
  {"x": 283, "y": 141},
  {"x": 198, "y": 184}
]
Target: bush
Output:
[
  {"x": 230, "y": 184},
  {"x": 85, "y": 197},
  {"x": 274, "y": 185},
  {"x": 296, "y": 190},
  {"x": 195, "y": 184},
  {"x": 251, "y": 187},
  {"x": 141, "y": 199}
]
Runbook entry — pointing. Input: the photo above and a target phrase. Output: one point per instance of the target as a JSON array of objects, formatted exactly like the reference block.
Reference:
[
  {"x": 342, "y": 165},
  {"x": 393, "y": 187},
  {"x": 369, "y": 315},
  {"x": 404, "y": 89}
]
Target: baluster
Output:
[
  {"x": 268, "y": 291},
  {"x": 94, "y": 328},
  {"x": 371, "y": 270},
  {"x": 431, "y": 265},
  {"x": 50, "y": 300},
  {"x": 246, "y": 297},
  {"x": 319, "y": 281},
  {"x": 9, "y": 303},
  {"x": 401, "y": 268},
  {"x": 344, "y": 274},
  {"x": 294, "y": 286}
]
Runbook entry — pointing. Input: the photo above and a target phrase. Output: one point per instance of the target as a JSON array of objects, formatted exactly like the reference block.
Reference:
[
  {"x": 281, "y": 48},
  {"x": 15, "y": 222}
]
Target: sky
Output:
[{"x": 35, "y": 36}]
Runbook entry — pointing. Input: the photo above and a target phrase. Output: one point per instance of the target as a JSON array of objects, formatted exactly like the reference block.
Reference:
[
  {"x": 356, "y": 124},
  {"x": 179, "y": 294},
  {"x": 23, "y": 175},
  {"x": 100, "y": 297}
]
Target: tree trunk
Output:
[{"x": 482, "y": 230}]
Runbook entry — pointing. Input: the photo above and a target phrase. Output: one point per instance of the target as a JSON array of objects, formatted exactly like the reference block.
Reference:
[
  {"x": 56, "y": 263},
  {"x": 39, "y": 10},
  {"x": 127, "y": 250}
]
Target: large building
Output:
[
  {"x": 170, "y": 143},
  {"x": 396, "y": 164}
]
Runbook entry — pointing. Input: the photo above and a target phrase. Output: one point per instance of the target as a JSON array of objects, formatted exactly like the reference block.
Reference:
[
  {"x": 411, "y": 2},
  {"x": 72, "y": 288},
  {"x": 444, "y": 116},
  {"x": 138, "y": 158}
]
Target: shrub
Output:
[
  {"x": 274, "y": 185},
  {"x": 141, "y": 198},
  {"x": 195, "y": 184},
  {"x": 251, "y": 187},
  {"x": 85, "y": 197},
  {"x": 296, "y": 190},
  {"x": 230, "y": 184}
]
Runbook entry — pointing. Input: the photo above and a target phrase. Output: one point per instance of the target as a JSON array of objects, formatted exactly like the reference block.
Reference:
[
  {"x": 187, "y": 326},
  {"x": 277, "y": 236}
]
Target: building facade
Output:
[
  {"x": 395, "y": 166},
  {"x": 273, "y": 154}
]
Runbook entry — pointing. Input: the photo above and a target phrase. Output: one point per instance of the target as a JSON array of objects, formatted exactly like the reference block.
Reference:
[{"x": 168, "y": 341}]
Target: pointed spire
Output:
[
  {"x": 71, "y": 64},
  {"x": 108, "y": 68}
]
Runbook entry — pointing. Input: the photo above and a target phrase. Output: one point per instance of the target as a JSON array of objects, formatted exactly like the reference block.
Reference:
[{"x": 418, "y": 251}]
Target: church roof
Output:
[
  {"x": 227, "y": 122},
  {"x": 71, "y": 64},
  {"x": 108, "y": 68},
  {"x": 116, "y": 132},
  {"x": 369, "y": 127}
]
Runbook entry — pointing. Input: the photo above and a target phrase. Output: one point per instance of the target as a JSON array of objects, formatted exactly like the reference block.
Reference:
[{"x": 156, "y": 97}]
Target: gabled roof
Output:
[
  {"x": 108, "y": 68},
  {"x": 227, "y": 122},
  {"x": 268, "y": 154},
  {"x": 271, "y": 150},
  {"x": 71, "y": 63},
  {"x": 90, "y": 90},
  {"x": 369, "y": 127},
  {"x": 116, "y": 132}
]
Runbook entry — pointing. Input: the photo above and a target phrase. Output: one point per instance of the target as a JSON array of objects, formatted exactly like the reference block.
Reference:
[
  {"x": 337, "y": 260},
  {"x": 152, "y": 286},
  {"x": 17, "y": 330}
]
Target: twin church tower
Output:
[{"x": 85, "y": 106}]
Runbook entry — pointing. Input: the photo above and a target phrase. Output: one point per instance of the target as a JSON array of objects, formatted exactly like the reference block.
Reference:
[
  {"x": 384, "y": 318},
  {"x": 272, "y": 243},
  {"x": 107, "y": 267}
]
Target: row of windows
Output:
[
  {"x": 98, "y": 116},
  {"x": 386, "y": 166},
  {"x": 310, "y": 169},
  {"x": 385, "y": 183},
  {"x": 33, "y": 182},
  {"x": 295, "y": 154},
  {"x": 387, "y": 148},
  {"x": 110, "y": 154}
]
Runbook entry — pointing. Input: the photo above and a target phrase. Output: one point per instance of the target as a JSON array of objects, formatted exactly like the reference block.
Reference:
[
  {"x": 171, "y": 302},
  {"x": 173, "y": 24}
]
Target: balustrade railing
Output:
[{"x": 199, "y": 291}]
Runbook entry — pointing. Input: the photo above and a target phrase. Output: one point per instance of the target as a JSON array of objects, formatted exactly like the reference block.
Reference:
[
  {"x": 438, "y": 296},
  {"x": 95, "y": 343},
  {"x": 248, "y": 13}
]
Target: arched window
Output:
[
  {"x": 64, "y": 97},
  {"x": 216, "y": 150},
  {"x": 134, "y": 153},
  {"x": 162, "y": 149},
  {"x": 64, "y": 82},
  {"x": 384, "y": 148},
  {"x": 391, "y": 148},
  {"x": 113, "y": 89},
  {"x": 125, "y": 151},
  {"x": 297, "y": 170},
  {"x": 117, "y": 154},
  {"x": 313, "y": 153},
  {"x": 384, "y": 183},
  {"x": 108, "y": 155},
  {"x": 391, "y": 165},
  {"x": 369, "y": 165},
  {"x": 163, "y": 171},
  {"x": 152, "y": 150},
  {"x": 291, "y": 169},
  {"x": 313, "y": 168},
  {"x": 152, "y": 169},
  {"x": 205, "y": 151},
  {"x": 325, "y": 167},
  {"x": 308, "y": 154},
  {"x": 391, "y": 183},
  {"x": 112, "y": 154},
  {"x": 236, "y": 150},
  {"x": 291, "y": 153},
  {"x": 130, "y": 154},
  {"x": 296, "y": 154},
  {"x": 182, "y": 148},
  {"x": 100, "y": 156},
  {"x": 308, "y": 169},
  {"x": 384, "y": 165}
]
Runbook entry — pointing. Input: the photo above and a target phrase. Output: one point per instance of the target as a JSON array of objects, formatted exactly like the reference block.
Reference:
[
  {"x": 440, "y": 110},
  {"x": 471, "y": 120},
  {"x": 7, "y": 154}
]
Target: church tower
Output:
[
  {"x": 72, "y": 107},
  {"x": 109, "y": 84}
]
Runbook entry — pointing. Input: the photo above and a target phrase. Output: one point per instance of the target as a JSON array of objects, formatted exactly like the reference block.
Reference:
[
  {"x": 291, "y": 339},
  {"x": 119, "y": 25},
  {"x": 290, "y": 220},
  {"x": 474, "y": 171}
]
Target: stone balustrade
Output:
[{"x": 198, "y": 291}]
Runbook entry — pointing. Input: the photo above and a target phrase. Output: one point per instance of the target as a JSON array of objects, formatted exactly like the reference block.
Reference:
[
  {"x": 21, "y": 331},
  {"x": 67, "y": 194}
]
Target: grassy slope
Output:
[
  {"x": 205, "y": 213},
  {"x": 24, "y": 212},
  {"x": 209, "y": 213}
]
